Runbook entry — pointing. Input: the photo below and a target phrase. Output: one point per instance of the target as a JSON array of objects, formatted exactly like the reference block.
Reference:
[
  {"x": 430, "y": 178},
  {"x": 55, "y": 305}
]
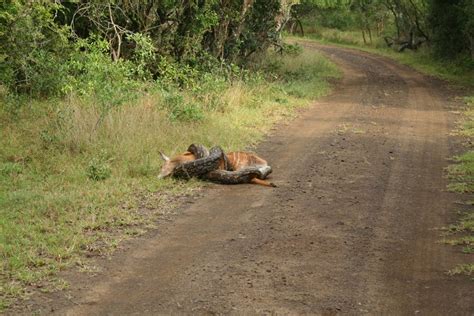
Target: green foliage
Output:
[
  {"x": 11, "y": 103},
  {"x": 292, "y": 49},
  {"x": 143, "y": 55},
  {"x": 405, "y": 18},
  {"x": 195, "y": 20},
  {"x": 92, "y": 74},
  {"x": 462, "y": 173},
  {"x": 300, "y": 72},
  {"x": 464, "y": 269},
  {"x": 181, "y": 110},
  {"x": 11, "y": 169},
  {"x": 342, "y": 18},
  {"x": 100, "y": 48},
  {"x": 326, "y": 4},
  {"x": 341, "y": 15},
  {"x": 103, "y": 50},
  {"x": 178, "y": 75},
  {"x": 32, "y": 47},
  {"x": 99, "y": 168},
  {"x": 448, "y": 25},
  {"x": 453, "y": 27},
  {"x": 260, "y": 27}
]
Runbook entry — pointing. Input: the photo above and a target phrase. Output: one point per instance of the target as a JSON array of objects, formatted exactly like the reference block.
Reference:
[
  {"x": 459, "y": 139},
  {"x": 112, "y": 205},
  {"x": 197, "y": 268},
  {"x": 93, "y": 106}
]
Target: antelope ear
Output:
[{"x": 165, "y": 158}]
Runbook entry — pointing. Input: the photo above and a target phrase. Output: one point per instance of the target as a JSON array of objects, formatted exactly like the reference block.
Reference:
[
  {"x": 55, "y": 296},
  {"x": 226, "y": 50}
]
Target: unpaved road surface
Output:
[{"x": 351, "y": 229}]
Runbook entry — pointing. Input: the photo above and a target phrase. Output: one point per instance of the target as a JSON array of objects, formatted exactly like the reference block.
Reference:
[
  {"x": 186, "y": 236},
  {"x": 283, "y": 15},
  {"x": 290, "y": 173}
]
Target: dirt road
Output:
[{"x": 351, "y": 228}]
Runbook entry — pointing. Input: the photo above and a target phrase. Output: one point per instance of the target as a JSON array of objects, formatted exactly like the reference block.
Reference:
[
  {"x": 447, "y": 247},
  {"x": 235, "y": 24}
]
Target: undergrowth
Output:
[{"x": 78, "y": 173}]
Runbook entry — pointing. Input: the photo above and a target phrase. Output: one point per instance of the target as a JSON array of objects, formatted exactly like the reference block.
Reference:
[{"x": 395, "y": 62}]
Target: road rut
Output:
[{"x": 351, "y": 229}]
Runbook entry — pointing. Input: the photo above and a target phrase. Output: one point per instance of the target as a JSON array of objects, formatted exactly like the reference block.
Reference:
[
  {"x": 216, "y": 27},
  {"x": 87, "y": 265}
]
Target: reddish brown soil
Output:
[{"x": 351, "y": 229}]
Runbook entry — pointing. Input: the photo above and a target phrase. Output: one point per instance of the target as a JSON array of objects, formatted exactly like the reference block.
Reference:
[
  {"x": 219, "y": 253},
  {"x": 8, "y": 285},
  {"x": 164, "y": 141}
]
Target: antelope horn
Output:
[{"x": 165, "y": 158}]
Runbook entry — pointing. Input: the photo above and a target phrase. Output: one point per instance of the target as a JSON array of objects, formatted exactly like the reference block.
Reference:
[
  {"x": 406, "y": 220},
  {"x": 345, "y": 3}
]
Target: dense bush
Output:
[
  {"x": 33, "y": 47},
  {"x": 92, "y": 74},
  {"x": 98, "y": 47},
  {"x": 453, "y": 27}
]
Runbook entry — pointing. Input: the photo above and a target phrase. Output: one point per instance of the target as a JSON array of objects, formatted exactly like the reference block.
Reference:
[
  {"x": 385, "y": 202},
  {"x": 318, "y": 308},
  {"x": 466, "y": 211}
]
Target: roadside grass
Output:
[
  {"x": 347, "y": 37},
  {"x": 75, "y": 180},
  {"x": 461, "y": 175}
]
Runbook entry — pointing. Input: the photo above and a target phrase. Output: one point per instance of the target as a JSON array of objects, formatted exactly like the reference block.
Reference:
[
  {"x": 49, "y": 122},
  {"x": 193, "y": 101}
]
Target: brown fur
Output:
[{"x": 236, "y": 161}]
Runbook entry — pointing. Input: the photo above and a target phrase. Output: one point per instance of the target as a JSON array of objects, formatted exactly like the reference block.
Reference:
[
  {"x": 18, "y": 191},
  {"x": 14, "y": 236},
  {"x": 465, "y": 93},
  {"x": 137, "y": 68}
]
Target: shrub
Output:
[
  {"x": 99, "y": 167},
  {"x": 33, "y": 47},
  {"x": 452, "y": 23},
  {"x": 11, "y": 169},
  {"x": 181, "y": 110},
  {"x": 94, "y": 75},
  {"x": 144, "y": 56}
]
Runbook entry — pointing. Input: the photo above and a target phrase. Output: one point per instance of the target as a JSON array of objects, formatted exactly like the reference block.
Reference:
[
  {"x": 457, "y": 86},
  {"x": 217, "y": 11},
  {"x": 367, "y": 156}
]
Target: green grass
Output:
[
  {"x": 463, "y": 269},
  {"x": 75, "y": 181},
  {"x": 461, "y": 175},
  {"x": 458, "y": 72}
]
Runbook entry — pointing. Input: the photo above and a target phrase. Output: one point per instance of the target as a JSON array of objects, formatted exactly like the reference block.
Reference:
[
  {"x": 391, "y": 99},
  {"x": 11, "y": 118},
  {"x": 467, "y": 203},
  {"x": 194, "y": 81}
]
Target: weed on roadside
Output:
[{"x": 461, "y": 175}]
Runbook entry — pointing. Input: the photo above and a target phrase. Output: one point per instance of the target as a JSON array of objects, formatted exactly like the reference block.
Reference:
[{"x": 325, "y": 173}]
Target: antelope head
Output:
[
  {"x": 172, "y": 163},
  {"x": 167, "y": 168}
]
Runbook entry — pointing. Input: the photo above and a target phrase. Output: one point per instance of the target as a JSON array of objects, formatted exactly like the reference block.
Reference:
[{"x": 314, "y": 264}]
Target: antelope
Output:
[{"x": 235, "y": 161}]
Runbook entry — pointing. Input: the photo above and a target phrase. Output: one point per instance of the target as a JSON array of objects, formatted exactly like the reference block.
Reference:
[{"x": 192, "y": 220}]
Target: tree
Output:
[
  {"x": 452, "y": 24},
  {"x": 32, "y": 46},
  {"x": 367, "y": 14},
  {"x": 469, "y": 25},
  {"x": 410, "y": 17}
]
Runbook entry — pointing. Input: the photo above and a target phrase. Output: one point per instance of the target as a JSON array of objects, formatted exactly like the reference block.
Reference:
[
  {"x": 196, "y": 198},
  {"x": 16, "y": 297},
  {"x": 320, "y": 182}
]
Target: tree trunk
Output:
[
  {"x": 298, "y": 22},
  {"x": 471, "y": 40}
]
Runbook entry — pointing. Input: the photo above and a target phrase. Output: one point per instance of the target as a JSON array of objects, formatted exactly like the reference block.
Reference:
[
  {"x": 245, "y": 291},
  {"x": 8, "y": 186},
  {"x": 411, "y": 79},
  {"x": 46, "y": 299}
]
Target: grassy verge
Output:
[
  {"x": 461, "y": 174},
  {"x": 75, "y": 179}
]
